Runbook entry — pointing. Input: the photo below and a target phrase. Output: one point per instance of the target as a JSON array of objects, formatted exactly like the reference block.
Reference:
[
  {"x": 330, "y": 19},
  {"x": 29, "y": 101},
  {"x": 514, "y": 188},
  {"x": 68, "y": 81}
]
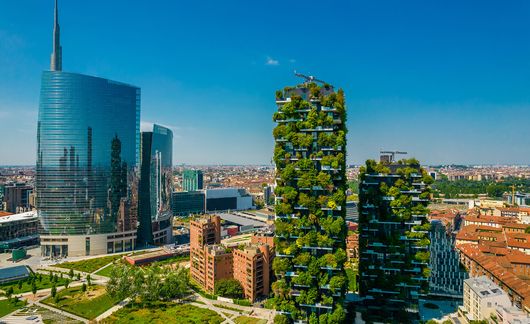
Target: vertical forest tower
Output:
[{"x": 310, "y": 159}]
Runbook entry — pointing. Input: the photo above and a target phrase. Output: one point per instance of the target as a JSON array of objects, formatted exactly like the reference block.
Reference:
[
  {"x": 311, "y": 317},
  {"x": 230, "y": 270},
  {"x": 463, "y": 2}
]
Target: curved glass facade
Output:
[
  {"x": 87, "y": 154},
  {"x": 156, "y": 185}
]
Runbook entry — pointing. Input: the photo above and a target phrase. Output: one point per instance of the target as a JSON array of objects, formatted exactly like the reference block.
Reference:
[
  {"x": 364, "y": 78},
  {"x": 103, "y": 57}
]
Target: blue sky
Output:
[{"x": 447, "y": 81}]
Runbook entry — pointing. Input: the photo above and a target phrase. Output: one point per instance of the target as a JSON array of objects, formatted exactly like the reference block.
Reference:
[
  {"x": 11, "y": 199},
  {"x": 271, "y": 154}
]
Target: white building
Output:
[
  {"x": 482, "y": 300},
  {"x": 223, "y": 199}
]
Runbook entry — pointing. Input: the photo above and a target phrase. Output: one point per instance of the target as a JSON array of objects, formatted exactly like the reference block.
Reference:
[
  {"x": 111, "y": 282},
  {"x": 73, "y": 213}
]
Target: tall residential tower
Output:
[
  {"x": 87, "y": 159},
  {"x": 394, "y": 239},
  {"x": 310, "y": 158}
]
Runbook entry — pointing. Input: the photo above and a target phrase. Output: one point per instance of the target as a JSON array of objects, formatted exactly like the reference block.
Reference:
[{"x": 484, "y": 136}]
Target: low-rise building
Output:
[{"x": 18, "y": 230}]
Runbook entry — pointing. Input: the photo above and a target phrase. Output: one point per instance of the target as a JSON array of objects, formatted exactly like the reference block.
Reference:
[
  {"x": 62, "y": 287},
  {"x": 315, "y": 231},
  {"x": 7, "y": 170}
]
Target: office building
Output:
[
  {"x": 224, "y": 199},
  {"x": 192, "y": 180},
  {"x": 19, "y": 230},
  {"x": 447, "y": 275},
  {"x": 393, "y": 239},
  {"x": 267, "y": 195},
  {"x": 156, "y": 186},
  {"x": 87, "y": 159},
  {"x": 310, "y": 161},
  {"x": 185, "y": 203}
]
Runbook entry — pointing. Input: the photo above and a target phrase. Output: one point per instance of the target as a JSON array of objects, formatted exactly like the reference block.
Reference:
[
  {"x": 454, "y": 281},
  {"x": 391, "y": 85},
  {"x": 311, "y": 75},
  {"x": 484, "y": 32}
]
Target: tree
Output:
[
  {"x": 229, "y": 288},
  {"x": 20, "y": 284},
  {"x": 54, "y": 290},
  {"x": 281, "y": 319},
  {"x": 71, "y": 274},
  {"x": 66, "y": 283},
  {"x": 89, "y": 280},
  {"x": 33, "y": 288},
  {"x": 78, "y": 276},
  {"x": 9, "y": 293},
  {"x": 83, "y": 287}
]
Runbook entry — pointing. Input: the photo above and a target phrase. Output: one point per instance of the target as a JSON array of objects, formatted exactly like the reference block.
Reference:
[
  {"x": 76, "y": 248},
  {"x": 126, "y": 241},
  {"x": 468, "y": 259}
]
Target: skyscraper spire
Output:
[{"x": 56, "y": 63}]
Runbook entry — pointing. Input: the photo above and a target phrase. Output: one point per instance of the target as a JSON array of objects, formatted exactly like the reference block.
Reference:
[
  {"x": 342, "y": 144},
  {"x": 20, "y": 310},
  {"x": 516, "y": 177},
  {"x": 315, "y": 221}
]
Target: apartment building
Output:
[
  {"x": 210, "y": 261},
  {"x": 481, "y": 298},
  {"x": 251, "y": 268}
]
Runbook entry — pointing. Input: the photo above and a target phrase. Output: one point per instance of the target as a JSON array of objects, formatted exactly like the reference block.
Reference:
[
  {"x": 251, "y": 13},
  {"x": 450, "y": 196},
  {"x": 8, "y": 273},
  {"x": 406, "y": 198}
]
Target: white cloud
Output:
[
  {"x": 292, "y": 61},
  {"x": 271, "y": 61}
]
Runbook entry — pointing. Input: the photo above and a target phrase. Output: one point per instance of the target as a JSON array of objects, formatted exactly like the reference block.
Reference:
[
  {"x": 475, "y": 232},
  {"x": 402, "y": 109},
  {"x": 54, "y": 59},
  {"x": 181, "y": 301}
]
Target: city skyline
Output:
[{"x": 457, "y": 71}]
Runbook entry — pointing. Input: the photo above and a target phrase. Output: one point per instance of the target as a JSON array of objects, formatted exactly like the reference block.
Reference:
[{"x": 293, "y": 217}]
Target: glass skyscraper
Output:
[
  {"x": 156, "y": 186},
  {"x": 87, "y": 159},
  {"x": 192, "y": 180}
]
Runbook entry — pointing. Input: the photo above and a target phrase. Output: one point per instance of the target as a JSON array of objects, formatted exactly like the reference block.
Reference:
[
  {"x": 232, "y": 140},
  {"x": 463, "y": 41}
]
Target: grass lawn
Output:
[
  {"x": 165, "y": 313},
  {"x": 43, "y": 284},
  {"x": 89, "y": 265},
  {"x": 105, "y": 271},
  {"x": 88, "y": 305},
  {"x": 249, "y": 320},
  {"x": 7, "y": 307}
]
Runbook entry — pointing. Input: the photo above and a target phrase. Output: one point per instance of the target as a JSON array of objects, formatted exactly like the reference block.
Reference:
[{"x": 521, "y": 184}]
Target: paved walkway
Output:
[
  {"x": 112, "y": 309},
  {"x": 53, "y": 309},
  {"x": 260, "y": 313}
]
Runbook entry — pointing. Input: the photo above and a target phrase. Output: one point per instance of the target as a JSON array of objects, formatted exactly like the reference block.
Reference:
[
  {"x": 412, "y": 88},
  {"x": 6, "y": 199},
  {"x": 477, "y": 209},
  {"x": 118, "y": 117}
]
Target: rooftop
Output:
[
  {"x": 484, "y": 287},
  {"x": 19, "y": 217}
]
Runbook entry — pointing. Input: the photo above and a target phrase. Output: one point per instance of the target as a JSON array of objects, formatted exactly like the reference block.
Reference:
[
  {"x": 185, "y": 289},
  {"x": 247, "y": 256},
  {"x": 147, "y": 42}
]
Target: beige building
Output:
[{"x": 482, "y": 297}]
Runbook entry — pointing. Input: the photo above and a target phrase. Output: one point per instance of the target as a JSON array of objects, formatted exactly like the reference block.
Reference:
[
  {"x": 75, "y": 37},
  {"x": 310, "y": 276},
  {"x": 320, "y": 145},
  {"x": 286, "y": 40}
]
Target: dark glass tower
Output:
[
  {"x": 156, "y": 186},
  {"x": 394, "y": 239},
  {"x": 310, "y": 158},
  {"x": 87, "y": 158}
]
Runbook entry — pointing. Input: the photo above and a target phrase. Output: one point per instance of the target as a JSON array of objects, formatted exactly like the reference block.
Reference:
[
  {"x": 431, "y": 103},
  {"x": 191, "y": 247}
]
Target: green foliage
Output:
[
  {"x": 148, "y": 283},
  {"x": 281, "y": 265},
  {"x": 281, "y": 319},
  {"x": 164, "y": 312},
  {"x": 230, "y": 288}
]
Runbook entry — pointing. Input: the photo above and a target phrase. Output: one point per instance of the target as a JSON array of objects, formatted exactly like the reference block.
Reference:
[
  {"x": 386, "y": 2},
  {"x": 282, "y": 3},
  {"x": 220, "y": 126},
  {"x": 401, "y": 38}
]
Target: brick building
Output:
[{"x": 210, "y": 261}]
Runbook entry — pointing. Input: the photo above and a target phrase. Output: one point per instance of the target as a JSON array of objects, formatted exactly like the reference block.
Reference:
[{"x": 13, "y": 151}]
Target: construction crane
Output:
[
  {"x": 308, "y": 78},
  {"x": 392, "y": 154}
]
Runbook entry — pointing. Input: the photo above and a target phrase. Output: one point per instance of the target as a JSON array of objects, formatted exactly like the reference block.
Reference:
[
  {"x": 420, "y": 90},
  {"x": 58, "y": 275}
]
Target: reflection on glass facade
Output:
[
  {"x": 87, "y": 154},
  {"x": 156, "y": 186}
]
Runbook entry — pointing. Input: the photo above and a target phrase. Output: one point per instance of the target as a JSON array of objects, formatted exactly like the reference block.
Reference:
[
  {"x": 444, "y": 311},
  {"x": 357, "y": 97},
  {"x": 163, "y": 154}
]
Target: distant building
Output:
[
  {"x": 352, "y": 214},
  {"x": 267, "y": 195},
  {"x": 223, "y": 199},
  {"x": 519, "y": 199},
  {"x": 17, "y": 197},
  {"x": 18, "y": 230},
  {"x": 192, "y": 180},
  {"x": 156, "y": 187},
  {"x": 184, "y": 203}
]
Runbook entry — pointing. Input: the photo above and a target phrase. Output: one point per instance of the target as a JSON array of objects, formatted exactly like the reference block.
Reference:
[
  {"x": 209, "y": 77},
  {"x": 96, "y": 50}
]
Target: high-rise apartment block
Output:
[
  {"x": 310, "y": 158},
  {"x": 156, "y": 186},
  {"x": 87, "y": 158},
  {"x": 394, "y": 239},
  {"x": 210, "y": 261},
  {"x": 192, "y": 180}
]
